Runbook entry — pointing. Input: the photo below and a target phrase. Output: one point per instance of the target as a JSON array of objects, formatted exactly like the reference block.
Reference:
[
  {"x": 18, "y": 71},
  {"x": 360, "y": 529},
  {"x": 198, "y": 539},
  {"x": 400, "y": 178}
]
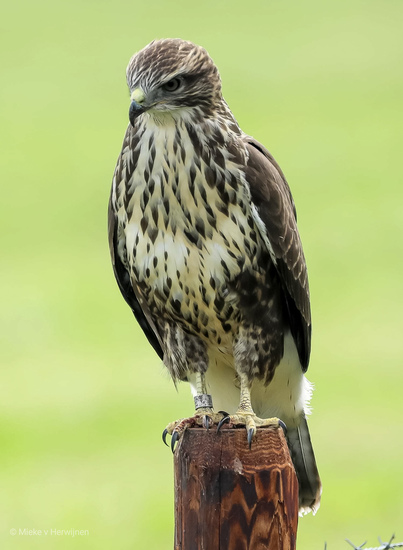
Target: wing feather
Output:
[
  {"x": 275, "y": 207},
  {"x": 122, "y": 276}
]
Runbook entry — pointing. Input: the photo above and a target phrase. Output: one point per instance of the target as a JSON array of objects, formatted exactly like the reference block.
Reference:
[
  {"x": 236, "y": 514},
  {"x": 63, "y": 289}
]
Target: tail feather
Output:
[{"x": 310, "y": 487}]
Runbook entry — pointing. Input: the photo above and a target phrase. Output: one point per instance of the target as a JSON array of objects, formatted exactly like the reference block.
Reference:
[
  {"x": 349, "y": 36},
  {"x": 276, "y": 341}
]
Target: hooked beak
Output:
[{"x": 136, "y": 106}]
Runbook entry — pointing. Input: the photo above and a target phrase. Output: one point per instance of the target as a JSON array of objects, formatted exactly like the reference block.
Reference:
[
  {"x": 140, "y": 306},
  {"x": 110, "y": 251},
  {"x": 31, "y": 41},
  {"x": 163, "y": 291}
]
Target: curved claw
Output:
[
  {"x": 206, "y": 421},
  {"x": 175, "y": 437},
  {"x": 251, "y": 433},
  {"x": 223, "y": 421},
  {"x": 224, "y": 413},
  {"x": 164, "y": 437},
  {"x": 282, "y": 424}
]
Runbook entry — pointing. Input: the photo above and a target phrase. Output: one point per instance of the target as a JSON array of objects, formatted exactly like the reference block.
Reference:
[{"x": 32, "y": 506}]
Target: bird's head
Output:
[{"x": 171, "y": 75}]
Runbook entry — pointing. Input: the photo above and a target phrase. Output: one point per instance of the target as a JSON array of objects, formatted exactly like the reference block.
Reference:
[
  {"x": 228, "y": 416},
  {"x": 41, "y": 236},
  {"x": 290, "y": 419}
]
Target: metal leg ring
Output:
[{"x": 203, "y": 401}]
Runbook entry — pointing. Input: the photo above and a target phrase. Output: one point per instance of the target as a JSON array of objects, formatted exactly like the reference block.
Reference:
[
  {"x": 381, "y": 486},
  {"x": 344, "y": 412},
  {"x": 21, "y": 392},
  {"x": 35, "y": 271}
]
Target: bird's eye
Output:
[{"x": 171, "y": 85}]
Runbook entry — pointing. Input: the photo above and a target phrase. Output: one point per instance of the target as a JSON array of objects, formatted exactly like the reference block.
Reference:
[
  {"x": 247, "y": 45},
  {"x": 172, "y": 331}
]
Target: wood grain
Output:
[{"x": 230, "y": 497}]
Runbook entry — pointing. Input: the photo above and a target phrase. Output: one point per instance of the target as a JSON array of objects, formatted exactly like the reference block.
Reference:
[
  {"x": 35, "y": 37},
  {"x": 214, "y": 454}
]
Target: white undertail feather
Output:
[{"x": 286, "y": 397}]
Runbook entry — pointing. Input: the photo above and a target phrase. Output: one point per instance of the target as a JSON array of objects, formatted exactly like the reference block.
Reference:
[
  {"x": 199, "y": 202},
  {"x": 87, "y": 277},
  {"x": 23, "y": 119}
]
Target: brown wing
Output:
[
  {"x": 272, "y": 198},
  {"x": 123, "y": 279}
]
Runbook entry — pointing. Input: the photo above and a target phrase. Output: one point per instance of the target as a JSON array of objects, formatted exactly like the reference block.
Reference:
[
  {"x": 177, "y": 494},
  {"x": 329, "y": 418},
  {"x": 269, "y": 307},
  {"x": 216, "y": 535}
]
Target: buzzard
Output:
[{"x": 206, "y": 251}]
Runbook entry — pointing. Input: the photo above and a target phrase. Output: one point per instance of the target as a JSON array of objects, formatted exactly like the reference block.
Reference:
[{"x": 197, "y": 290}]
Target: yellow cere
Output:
[{"x": 138, "y": 95}]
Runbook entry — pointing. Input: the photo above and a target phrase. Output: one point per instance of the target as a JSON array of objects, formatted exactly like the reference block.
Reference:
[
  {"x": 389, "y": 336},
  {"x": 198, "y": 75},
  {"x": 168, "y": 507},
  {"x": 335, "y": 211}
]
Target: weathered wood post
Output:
[{"x": 230, "y": 497}]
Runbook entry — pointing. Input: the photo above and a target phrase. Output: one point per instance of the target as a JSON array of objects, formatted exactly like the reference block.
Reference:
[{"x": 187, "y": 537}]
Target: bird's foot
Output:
[
  {"x": 251, "y": 422},
  {"x": 204, "y": 417}
]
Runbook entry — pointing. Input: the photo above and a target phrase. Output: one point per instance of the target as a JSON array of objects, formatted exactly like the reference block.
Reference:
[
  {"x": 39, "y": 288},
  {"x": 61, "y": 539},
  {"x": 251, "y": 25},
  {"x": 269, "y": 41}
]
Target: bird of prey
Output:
[{"x": 206, "y": 252}]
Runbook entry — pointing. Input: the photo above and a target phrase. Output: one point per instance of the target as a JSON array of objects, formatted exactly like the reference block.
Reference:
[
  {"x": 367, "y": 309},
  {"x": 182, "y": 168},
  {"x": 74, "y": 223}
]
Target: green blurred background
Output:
[{"x": 84, "y": 398}]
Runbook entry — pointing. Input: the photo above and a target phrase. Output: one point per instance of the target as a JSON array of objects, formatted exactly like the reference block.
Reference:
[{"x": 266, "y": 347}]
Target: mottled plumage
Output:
[{"x": 206, "y": 251}]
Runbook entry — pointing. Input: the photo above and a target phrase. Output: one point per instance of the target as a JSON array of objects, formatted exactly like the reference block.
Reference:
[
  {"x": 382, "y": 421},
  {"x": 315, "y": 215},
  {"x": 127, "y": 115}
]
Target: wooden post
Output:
[{"x": 230, "y": 497}]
